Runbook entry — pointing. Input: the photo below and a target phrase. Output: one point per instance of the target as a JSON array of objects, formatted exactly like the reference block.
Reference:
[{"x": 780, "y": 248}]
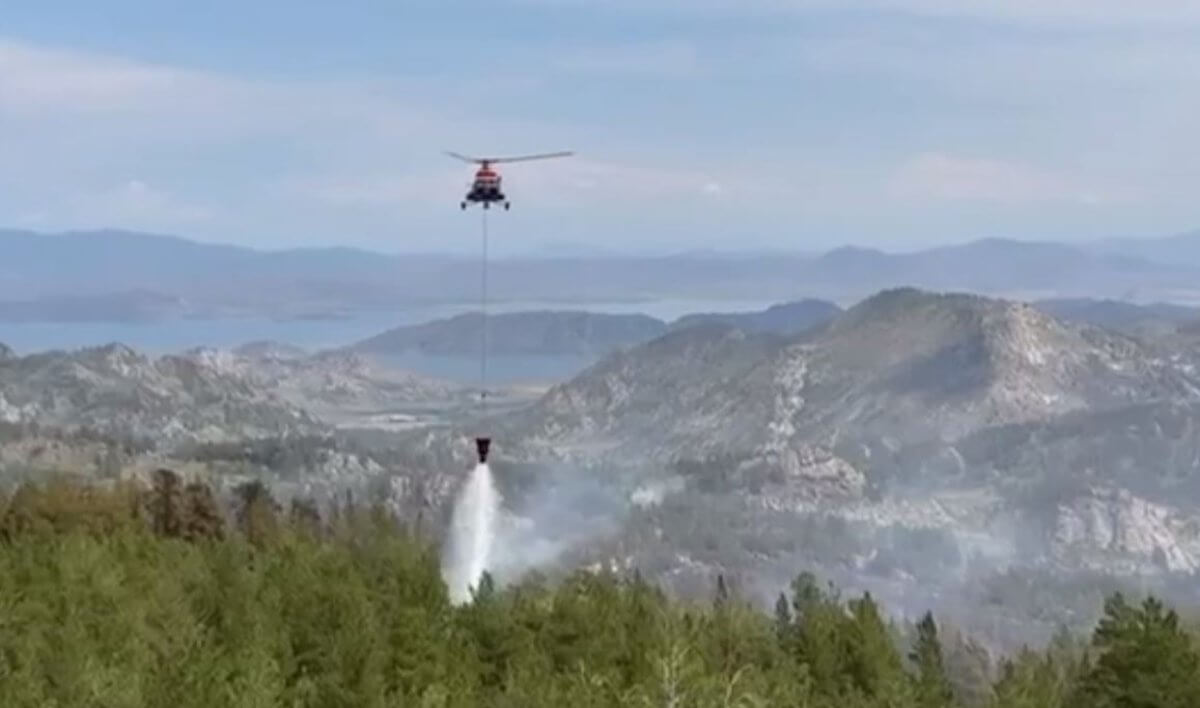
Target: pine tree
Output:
[
  {"x": 969, "y": 669},
  {"x": 202, "y": 517},
  {"x": 1146, "y": 660},
  {"x": 872, "y": 663},
  {"x": 256, "y": 512},
  {"x": 933, "y": 688},
  {"x": 166, "y": 504},
  {"x": 783, "y": 621},
  {"x": 1030, "y": 680},
  {"x": 305, "y": 516},
  {"x": 721, "y": 597}
]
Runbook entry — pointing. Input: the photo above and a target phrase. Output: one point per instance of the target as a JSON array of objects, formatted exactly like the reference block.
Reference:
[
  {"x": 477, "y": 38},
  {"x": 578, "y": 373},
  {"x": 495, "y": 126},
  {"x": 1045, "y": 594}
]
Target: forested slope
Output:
[{"x": 124, "y": 596}]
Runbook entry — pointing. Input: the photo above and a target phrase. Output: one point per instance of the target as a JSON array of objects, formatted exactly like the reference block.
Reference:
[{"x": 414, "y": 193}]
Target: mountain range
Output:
[
  {"x": 575, "y": 332},
  {"x": 42, "y": 276},
  {"x": 931, "y": 447},
  {"x": 914, "y": 442},
  {"x": 905, "y": 365}
]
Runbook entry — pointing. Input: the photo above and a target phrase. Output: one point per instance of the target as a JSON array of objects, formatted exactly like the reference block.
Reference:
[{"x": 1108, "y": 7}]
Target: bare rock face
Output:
[
  {"x": 114, "y": 390},
  {"x": 912, "y": 365},
  {"x": 325, "y": 382},
  {"x": 1110, "y": 524},
  {"x": 901, "y": 369},
  {"x": 681, "y": 394},
  {"x": 10, "y": 413}
]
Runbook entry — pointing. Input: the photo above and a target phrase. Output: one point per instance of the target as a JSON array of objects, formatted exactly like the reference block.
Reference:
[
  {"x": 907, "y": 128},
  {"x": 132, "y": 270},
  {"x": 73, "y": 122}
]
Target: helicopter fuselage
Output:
[{"x": 485, "y": 189}]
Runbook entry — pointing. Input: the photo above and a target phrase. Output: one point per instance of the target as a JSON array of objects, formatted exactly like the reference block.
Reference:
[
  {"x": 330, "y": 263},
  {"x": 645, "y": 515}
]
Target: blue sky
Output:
[{"x": 699, "y": 124}]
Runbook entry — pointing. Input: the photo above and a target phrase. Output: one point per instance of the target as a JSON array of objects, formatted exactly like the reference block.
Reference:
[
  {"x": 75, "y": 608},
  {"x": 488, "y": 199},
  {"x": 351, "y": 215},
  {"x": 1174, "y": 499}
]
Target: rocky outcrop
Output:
[
  {"x": 117, "y": 391},
  {"x": 1109, "y": 526},
  {"x": 328, "y": 383}
]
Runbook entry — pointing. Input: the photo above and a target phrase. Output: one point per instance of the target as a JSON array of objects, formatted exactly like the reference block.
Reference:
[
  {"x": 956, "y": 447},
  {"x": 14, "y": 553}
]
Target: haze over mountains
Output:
[
  {"x": 937, "y": 449},
  {"x": 920, "y": 445},
  {"x": 1001, "y": 436},
  {"x": 577, "y": 333},
  {"x": 147, "y": 276}
]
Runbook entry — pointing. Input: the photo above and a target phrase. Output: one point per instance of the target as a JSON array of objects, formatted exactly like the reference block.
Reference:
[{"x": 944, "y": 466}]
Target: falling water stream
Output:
[{"x": 472, "y": 533}]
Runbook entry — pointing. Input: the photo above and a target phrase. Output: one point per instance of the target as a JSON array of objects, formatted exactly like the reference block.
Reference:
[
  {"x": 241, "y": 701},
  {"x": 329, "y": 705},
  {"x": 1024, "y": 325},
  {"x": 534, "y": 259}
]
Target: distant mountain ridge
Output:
[
  {"x": 104, "y": 263},
  {"x": 1123, "y": 316},
  {"x": 1179, "y": 249},
  {"x": 541, "y": 333},
  {"x": 576, "y": 332}
]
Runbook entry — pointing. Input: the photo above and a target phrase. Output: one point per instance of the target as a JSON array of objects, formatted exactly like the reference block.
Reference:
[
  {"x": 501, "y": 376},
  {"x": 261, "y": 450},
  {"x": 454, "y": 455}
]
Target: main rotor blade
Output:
[
  {"x": 464, "y": 158},
  {"x": 522, "y": 158}
]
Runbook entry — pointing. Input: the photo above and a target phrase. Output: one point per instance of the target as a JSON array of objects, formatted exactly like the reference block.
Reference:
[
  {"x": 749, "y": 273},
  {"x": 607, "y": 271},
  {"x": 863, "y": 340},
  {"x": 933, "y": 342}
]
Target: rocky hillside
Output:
[
  {"x": 930, "y": 448},
  {"x": 662, "y": 399},
  {"x": 117, "y": 391},
  {"x": 203, "y": 394},
  {"x": 268, "y": 413},
  {"x": 569, "y": 333},
  {"x": 329, "y": 384},
  {"x": 938, "y": 434},
  {"x": 903, "y": 367}
]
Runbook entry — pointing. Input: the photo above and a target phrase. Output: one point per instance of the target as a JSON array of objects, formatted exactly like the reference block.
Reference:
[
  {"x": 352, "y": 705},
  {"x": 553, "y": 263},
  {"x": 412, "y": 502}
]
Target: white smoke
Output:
[{"x": 472, "y": 534}]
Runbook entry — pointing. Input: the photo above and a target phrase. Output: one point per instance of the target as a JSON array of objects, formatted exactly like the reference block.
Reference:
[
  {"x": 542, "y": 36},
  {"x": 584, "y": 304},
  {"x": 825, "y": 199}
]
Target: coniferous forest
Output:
[{"x": 158, "y": 596}]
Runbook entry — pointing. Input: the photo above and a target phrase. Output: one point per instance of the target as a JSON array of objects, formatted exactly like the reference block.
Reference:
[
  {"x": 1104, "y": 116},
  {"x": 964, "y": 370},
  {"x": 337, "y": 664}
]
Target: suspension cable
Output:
[{"x": 483, "y": 311}]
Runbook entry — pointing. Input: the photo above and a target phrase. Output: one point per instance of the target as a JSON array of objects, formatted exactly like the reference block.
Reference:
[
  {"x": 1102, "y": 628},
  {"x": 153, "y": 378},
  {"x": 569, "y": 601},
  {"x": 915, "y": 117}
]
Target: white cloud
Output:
[
  {"x": 135, "y": 204},
  {"x": 36, "y": 80},
  {"x": 33, "y": 78},
  {"x": 1101, "y": 11},
  {"x": 941, "y": 177},
  {"x": 76, "y": 124},
  {"x": 672, "y": 58},
  {"x": 375, "y": 189},
  {"x": 132, "y": 204},
  {"x": 1106, "y": 116},
  {"x": 1058, "y": 12},
  {"x": 1002, "y": 62}
]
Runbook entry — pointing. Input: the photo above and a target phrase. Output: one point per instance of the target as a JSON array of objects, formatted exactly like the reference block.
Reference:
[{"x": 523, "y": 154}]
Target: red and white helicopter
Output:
[{"x": 486, "y": 189}]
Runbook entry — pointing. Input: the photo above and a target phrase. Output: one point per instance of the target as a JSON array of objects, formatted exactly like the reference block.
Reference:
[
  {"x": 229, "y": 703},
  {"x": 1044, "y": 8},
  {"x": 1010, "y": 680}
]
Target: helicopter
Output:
[{"x": 485, "y": 189}]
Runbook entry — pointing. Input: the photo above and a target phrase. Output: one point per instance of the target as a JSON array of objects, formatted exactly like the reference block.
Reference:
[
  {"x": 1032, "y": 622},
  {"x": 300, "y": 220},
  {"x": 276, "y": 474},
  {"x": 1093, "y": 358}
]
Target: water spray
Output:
[{"x": 475, "y": 513}]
